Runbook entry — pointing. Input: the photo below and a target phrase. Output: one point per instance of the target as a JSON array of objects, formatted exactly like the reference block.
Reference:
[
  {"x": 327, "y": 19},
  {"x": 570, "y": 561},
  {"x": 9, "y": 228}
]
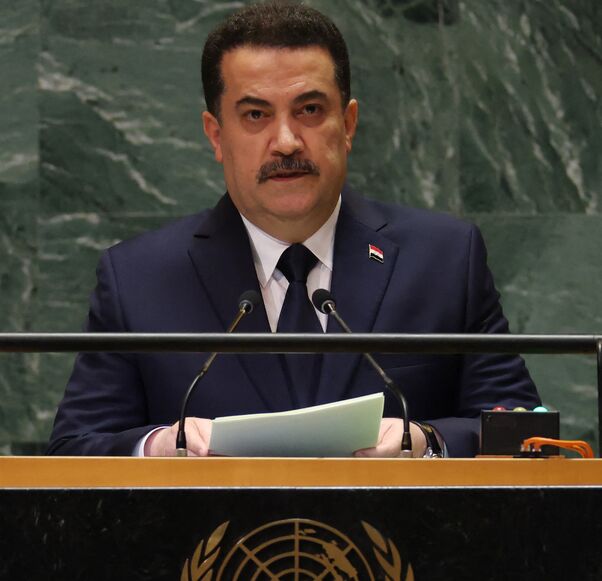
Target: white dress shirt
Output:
[{"x": 266, "y": 253}]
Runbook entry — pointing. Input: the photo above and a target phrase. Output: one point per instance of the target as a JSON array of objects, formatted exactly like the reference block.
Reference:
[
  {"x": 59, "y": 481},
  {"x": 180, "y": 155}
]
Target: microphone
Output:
[
  {"x": 324, "y": 302},
  {"x": 246, "y": 303}
]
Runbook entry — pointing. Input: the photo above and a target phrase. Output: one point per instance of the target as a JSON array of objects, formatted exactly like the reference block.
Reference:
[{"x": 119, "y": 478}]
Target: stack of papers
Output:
[{"x": 330, "y": 430}]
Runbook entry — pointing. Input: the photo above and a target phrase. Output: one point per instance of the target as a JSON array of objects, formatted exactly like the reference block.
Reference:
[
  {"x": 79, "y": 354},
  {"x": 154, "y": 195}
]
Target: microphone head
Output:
[
  {"x": 248, "y": 301},
  {"x": 322, "y": 299}
]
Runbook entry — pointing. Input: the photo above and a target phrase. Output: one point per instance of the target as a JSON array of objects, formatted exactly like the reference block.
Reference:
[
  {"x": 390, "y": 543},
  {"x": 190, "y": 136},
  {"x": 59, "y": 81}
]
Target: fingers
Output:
[
  {"x": 389, "y": 441},
  {"x": 198, "y": 435}
]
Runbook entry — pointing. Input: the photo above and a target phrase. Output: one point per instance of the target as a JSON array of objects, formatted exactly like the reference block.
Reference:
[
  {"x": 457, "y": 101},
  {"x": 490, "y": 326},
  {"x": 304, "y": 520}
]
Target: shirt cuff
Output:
[{"x": 139, "y": 448}]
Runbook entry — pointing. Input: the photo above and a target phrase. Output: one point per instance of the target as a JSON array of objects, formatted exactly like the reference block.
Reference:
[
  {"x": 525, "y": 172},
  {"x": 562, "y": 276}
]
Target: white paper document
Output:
[{"x": 329, "y": 430}]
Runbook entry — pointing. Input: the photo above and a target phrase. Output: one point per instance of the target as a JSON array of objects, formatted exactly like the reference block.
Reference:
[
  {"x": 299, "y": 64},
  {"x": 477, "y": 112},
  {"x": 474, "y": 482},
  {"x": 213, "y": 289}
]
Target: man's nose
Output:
[{"x": 287, "y": 140}]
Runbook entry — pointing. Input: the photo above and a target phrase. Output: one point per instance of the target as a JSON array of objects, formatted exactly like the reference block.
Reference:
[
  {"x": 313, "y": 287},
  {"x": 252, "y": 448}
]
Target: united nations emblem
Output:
[{"x": 294, "y": 549}]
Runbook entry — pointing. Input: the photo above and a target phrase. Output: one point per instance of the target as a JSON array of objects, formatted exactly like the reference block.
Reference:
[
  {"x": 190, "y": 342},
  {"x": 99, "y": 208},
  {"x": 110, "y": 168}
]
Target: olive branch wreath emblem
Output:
[
  {"x": 199, "y": 567},
  {"x": 387, "y": 555}
]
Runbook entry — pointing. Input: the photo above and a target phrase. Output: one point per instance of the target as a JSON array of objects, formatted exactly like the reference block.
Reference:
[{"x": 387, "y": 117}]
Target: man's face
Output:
[{"x": 283, "y": 137}]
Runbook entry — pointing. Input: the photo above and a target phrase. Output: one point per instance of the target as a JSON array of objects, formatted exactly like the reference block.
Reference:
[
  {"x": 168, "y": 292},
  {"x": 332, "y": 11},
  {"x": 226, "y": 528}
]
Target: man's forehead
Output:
[
  {"x": 278, "y": 66},
  {"x": 254, "y": 51}
]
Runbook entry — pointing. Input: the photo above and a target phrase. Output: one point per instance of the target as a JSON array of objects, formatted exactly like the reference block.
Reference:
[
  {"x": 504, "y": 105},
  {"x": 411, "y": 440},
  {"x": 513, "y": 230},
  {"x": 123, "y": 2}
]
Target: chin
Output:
[{"x": 294, "y": 207}]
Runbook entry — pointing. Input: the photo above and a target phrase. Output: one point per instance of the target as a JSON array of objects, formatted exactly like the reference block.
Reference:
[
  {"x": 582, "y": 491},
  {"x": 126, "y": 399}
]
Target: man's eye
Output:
[
  {"x": 311, "y": 109},
  {"x": 255, "y": 115}
]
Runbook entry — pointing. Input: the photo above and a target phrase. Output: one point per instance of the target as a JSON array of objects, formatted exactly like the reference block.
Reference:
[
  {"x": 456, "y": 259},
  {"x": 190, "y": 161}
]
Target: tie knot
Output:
[{"x": 296, "y": 262}]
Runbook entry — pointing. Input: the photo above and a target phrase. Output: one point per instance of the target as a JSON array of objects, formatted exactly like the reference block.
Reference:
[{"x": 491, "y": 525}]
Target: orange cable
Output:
[{"x": 579, "y": 446}]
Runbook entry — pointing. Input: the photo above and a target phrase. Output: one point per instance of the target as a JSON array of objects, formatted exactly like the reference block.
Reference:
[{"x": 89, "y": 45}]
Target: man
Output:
[{"x": 281, "y": 122}]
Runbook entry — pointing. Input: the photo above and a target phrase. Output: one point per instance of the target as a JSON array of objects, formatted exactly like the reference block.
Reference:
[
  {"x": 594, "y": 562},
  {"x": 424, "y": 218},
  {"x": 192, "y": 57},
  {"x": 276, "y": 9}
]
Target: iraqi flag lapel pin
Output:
[{"x": 375, "y": 253}]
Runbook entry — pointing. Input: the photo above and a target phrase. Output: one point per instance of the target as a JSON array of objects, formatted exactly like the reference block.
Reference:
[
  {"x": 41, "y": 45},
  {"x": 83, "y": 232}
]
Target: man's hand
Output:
[
  {"x": 163, "y": 442},
  {"x": 389, "y": 441}
]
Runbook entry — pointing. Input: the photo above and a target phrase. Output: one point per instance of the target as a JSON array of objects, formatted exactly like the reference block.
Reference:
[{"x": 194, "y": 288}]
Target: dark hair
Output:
[{"x": 279, "y": 24}]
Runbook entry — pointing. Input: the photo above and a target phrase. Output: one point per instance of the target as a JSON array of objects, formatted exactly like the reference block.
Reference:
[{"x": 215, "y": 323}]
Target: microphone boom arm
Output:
[
  {"x": 328, "y": 306},
  {"x": 246, "y": 303}
]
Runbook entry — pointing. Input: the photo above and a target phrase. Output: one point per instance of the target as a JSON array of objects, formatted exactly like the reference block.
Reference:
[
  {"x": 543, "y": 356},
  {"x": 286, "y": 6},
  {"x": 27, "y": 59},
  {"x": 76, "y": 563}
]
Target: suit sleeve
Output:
[
  {"x": 486, "y": 380},
  {"x": 103, "y": 412}
]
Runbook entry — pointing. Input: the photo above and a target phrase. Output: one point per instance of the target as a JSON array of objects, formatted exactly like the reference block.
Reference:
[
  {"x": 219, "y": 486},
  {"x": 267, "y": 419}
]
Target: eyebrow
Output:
[
  {"x": 257, "y": 102},
  {"x": 248, "y": 100},
  {"x": 311, "y": 95}
]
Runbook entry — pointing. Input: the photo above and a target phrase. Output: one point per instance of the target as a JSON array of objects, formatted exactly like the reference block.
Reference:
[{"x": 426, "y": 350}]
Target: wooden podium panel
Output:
[
  {"x": 224, "y": 519},
  {"x": 69, "y": 472}
]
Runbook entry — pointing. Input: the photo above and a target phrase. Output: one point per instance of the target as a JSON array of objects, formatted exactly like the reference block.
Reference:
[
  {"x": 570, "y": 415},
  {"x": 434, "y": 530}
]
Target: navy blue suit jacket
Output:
[{"x": 187, "y": 277}]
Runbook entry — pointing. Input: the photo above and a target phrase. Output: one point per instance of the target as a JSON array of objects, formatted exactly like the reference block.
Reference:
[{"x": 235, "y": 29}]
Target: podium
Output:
[{"x": 296, "y": 519}]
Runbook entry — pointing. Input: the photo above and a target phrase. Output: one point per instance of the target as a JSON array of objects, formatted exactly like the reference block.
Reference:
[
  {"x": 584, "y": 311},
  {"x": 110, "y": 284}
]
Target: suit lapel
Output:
[
  {"x": 358, "y": 286},
  {"x": 221, "y": 254}
]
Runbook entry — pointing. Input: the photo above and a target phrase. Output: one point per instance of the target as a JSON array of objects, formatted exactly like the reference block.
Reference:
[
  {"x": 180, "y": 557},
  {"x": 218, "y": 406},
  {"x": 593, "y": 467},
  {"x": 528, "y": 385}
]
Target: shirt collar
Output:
[{"x": 267, "y": 250}]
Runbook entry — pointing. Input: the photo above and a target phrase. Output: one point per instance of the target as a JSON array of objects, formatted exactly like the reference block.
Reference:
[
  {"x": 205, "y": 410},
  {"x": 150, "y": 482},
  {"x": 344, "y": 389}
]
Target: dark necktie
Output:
[{"x": 299, "y": 316}]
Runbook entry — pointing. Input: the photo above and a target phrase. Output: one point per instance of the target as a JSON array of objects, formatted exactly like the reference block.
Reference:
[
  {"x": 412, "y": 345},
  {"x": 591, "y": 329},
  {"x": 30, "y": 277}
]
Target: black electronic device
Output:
[{"x": 502, "y": 432}]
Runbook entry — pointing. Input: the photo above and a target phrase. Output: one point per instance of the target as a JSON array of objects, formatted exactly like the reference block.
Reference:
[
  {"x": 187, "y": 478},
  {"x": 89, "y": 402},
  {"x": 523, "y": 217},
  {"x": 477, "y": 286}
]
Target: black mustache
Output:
[{"x": 287, "y": 164}]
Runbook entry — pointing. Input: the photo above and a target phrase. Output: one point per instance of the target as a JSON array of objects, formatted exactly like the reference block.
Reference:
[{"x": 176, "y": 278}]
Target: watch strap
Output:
[{"x": 433, "y": 448}]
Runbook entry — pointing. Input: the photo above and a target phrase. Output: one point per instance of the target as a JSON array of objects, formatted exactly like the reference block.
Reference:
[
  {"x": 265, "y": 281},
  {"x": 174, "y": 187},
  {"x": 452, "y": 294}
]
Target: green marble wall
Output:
[{"x": 489, "y": 110}]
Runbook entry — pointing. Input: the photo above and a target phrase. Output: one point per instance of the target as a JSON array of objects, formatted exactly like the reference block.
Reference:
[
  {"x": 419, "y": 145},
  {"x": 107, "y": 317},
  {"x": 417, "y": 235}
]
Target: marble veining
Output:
[{"x": 488, "y": 110}]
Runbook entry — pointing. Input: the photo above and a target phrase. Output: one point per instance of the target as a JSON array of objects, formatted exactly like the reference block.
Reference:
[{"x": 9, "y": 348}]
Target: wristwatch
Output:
[{"x": 433, "y": 448}]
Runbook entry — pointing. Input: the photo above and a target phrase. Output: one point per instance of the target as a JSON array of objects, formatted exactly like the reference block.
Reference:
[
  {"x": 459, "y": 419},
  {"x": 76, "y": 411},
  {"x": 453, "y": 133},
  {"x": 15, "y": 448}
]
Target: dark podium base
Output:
[{"x": 293, "y": 534}]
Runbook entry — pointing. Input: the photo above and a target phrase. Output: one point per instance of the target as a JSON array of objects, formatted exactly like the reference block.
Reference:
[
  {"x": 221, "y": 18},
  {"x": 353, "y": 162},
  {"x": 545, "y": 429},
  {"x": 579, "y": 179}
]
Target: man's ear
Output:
[
  {"x": 213, "y": 133},
  {"x": 351, "y": 116}
]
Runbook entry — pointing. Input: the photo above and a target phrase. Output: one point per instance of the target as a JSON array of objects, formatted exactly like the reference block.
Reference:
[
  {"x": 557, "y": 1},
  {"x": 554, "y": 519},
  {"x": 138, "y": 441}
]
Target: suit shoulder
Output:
[
  {"x": 421, "y": 222},
  {"x": 433, "y": 219},
  {"x": 172, "y": 236}
]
